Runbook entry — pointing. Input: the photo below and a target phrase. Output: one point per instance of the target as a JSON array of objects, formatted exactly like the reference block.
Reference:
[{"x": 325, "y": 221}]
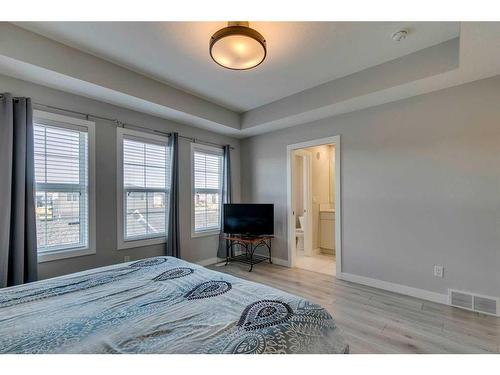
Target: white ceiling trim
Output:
[
  {"x": 31, "y": 57},
  {"x": 27, "y": 50},
  {"x": 323, "y": 101},
  {"x": 473, "y": 56}
]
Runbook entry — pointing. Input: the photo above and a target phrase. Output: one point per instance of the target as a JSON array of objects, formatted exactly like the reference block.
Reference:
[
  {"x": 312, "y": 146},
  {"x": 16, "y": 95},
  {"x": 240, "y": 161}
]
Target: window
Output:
[
  {"x": 206, "y": 165},
  {"x": 64, "y": 195},
  {"x": 143, "y": 188}
]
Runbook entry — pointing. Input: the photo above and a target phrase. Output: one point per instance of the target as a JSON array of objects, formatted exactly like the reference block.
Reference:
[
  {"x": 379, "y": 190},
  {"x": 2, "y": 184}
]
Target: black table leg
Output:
[
  {"x": 250, "y": 247},
  {"x": 251, "y": 257},
  {"x": 227, "y": 252}
]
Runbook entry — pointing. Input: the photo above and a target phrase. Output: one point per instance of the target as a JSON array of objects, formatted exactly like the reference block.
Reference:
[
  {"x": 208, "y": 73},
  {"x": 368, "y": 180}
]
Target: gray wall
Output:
[
  {"x": 420, "y": 186},
  {"x": 193, "y": 249}
]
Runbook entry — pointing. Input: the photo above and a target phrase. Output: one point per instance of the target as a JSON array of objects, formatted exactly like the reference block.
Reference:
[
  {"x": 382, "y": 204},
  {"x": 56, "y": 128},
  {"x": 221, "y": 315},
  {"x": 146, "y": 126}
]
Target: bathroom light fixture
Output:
[{"x": 238, "y": 47}]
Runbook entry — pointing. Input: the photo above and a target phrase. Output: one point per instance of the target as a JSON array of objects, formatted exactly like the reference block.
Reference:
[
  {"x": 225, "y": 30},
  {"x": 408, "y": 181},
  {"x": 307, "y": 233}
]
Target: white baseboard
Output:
[
  {"x": 379, "y": 284},
  {"x": 281, "y": 262},
  {"x": 396, "y": 288}
]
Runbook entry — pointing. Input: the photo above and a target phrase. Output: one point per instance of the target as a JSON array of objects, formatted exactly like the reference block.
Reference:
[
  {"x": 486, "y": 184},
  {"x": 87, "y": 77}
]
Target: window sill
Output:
[
  {"x": 205, "y": 234},
  {"x": 63, "y": 254},
  {"x": 122, "y": 245}
]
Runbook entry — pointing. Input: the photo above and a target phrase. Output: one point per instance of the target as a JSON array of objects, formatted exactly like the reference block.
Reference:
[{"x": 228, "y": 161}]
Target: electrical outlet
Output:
[
  {"x": 126, "y": 258},
  {"x": 439, "y": 271}
]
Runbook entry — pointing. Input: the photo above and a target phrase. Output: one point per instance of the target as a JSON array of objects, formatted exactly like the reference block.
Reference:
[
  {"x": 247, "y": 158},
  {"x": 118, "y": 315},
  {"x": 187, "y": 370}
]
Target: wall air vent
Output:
[{"x": 474, "y": 302}]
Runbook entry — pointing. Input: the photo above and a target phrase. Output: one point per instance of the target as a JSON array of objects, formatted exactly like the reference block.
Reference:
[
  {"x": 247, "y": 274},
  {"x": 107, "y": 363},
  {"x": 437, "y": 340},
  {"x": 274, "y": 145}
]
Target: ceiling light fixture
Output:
[{"x": 238, "y": 47}]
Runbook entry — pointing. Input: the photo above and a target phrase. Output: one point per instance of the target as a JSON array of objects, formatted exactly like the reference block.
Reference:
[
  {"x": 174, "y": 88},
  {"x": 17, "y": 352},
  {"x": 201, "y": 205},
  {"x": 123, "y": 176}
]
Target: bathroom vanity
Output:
[{"x": 327, "y": 231}]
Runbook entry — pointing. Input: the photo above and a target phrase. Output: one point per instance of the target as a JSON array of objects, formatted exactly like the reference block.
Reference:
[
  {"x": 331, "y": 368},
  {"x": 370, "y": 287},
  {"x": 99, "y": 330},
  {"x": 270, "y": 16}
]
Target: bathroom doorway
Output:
[
  {"x": 313, "y": 208},
  {"x": 303, "y": 165}
]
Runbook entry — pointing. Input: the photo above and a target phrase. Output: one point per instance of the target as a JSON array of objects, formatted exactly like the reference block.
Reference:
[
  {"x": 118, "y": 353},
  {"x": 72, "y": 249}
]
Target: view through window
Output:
[
  {"x": 61, "y": 175},
  {"x": 207, "y": 185},
  {"x": 145, "y": 177}
]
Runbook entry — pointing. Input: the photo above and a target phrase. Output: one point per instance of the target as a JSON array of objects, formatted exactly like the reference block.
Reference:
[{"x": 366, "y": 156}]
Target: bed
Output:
[{"x": 161, "y": 305}]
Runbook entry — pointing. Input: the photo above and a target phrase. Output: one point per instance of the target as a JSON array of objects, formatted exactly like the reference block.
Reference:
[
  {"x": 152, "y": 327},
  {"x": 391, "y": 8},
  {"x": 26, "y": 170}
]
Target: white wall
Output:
[
  {"x": 420, "y": 186},
  {"x": 299, "y": 188},
  {"x": 321, "y": 183},
  {"x": 192, "y": 249}
]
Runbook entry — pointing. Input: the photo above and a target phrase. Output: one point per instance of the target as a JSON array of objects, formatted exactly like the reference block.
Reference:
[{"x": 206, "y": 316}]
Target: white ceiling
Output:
[{"x": 301, "y": 55}]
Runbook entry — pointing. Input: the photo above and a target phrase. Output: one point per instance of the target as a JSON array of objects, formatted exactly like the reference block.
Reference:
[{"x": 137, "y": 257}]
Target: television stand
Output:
[{"x": 249, "y": 244}]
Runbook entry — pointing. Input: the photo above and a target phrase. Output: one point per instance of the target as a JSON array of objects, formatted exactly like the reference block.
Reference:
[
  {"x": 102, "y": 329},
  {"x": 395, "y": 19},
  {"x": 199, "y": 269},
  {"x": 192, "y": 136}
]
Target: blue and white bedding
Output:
[{"x": 160, "y": 305}]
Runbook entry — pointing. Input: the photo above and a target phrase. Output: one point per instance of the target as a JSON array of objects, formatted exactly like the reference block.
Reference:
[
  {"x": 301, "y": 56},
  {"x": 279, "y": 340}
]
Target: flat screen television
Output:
[{"x": 248, "y": 219}]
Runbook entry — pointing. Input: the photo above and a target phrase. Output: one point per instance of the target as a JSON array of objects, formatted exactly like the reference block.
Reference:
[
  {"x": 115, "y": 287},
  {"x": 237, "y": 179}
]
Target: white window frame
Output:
[
  {"x": 212, "y": 150},
  {"x": 67, "y": 122},
  {"x": 121, "y": 133}
]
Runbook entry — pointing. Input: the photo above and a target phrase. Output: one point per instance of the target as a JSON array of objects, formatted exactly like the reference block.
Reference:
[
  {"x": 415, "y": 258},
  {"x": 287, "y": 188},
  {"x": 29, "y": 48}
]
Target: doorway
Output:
[{"x": 313, "y": 170}]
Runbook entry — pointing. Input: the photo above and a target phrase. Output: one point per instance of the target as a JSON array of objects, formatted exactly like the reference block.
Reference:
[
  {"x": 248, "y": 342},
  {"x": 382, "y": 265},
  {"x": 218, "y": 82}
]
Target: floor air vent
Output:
[{"x": 474, "y": 302}]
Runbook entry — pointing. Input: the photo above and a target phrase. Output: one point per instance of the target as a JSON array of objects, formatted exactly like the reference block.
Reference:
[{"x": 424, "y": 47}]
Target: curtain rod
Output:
[{"x": 124, "y": 124}]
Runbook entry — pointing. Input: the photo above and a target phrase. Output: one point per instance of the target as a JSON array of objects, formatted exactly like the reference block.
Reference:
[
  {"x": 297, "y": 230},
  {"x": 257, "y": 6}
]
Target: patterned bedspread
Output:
[{"x": 160, "y": 305}]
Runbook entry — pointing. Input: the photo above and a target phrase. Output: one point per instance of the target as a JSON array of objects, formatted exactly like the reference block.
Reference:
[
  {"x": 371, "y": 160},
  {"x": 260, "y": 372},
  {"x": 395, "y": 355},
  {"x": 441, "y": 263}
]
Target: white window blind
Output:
[
  {"x": 145, "y": 188},
  {"x": 62, "y": 194},
  {"x": 207, "y": 185}
]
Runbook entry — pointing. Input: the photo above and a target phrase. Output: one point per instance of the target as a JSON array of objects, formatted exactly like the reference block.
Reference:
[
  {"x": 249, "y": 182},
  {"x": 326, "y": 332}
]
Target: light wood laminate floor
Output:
[
  {"x": 376, "y": 321},
  {"x": 320, "y": 263}
]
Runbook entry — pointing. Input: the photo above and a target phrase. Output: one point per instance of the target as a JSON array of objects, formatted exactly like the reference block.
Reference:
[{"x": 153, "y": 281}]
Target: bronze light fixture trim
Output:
[{"x": 238, "y": 47}]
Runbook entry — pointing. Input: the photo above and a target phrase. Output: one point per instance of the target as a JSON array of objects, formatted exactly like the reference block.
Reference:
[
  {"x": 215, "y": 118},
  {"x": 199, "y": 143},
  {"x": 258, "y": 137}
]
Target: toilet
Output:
[{"x": 299, "y": 234}]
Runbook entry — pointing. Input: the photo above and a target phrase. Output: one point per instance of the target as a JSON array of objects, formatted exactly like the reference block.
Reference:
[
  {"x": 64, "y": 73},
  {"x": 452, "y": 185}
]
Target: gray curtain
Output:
[
  {"x": 173, "y": 247},
  {"x": 227, "y": 196},
  {"x": 18, "y": 256}
]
